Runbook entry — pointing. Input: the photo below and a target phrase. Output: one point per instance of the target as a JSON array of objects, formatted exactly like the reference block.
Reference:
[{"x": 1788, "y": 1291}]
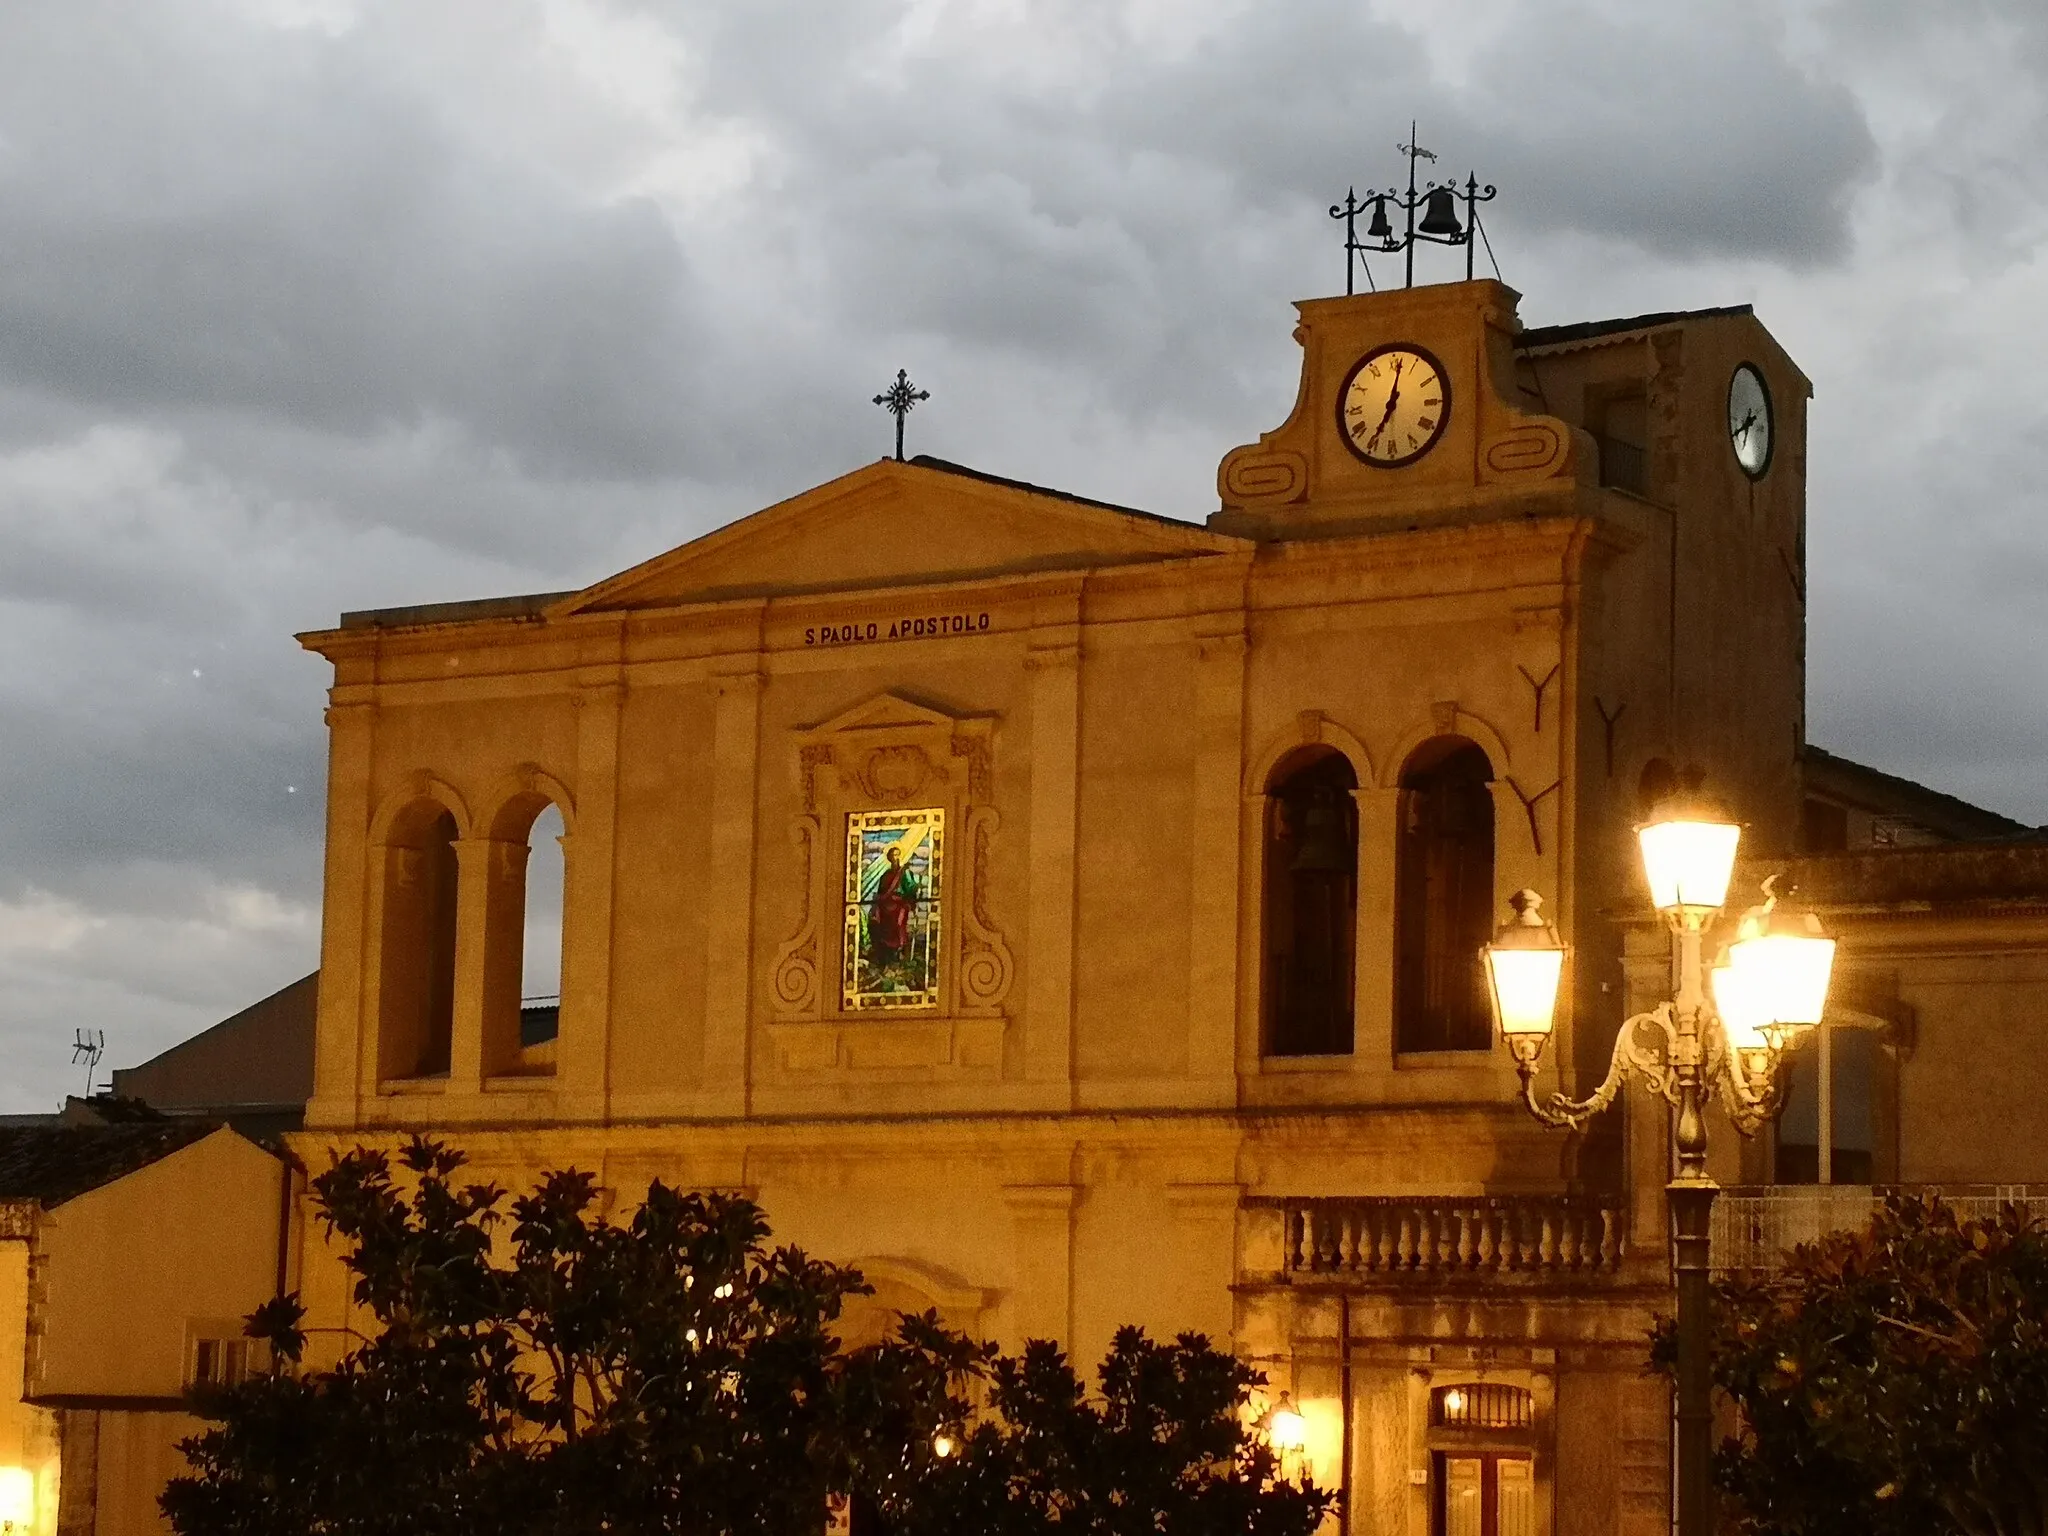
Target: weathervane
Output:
[
  {"x": 1439, "y": 226},
  {"x": 898, "y": 399}
]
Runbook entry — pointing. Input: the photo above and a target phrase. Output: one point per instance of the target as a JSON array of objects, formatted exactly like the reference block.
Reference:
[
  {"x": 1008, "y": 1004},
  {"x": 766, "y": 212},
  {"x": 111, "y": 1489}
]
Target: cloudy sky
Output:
[{"x": 318, "y": 304}]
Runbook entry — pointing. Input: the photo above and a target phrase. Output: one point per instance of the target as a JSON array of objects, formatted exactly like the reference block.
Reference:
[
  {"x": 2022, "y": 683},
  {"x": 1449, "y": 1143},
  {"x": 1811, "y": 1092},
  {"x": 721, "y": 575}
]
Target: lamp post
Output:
[{"x": 1726, "y": 1035}]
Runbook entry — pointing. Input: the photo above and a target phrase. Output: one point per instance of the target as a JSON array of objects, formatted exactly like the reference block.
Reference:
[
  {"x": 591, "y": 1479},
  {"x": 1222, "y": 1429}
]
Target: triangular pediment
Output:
[
  {"x": 885, "y": 711},
  {"x": 898, "y": 524}
]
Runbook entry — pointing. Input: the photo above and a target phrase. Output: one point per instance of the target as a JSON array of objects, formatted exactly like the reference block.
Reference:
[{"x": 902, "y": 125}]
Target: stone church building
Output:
[{"x": 1070, "y": 915}]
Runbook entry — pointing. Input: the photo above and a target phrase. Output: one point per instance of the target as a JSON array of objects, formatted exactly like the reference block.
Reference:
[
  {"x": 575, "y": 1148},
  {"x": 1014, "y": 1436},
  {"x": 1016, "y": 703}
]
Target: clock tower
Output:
[
  {"x": 1363, "y": 448},
  {"x": 1677, "y": 439}
]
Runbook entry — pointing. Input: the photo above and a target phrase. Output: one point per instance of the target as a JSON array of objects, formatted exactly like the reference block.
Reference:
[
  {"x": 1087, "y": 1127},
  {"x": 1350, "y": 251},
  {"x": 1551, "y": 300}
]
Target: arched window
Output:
[
  {"x": 1443, "y": 898},
  {"x": 522, "y": 967},
  {"x": 540, "y": 982},
  {"x": 416, "y": 1009},
  {"x": 1311, "y": 904}
]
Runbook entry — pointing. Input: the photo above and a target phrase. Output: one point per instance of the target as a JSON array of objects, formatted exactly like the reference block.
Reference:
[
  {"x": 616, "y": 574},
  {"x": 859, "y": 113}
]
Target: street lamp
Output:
[
  {"x": 17, "y": 1498},
  {"x": 1767, "y": 989},
  {"x": 1286, "y": 1431}
]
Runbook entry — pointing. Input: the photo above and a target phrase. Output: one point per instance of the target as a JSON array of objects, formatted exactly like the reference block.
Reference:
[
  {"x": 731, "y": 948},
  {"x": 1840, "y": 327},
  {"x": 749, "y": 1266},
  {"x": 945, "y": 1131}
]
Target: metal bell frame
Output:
[{"x": 1439, "y": 225}]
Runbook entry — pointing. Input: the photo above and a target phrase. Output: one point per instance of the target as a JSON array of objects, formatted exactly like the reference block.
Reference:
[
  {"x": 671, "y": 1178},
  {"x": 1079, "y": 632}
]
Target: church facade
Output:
[{"x": 1070, "y": 915}]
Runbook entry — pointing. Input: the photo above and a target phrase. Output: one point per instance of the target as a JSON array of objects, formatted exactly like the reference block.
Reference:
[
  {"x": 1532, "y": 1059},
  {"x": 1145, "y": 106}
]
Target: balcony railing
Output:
[
  {"x": 1624, "y": 466},
  {"x": 1755, "y": 1229},
  {"x": 1404, "y": 1238}
]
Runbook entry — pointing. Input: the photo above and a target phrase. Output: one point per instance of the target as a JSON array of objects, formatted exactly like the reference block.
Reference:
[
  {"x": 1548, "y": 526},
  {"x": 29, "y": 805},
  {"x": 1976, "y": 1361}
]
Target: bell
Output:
[
  {"x": 1322, "y": 847},
  {"x": 1440, "y": 215},
  {"x": 1379, "y": 228}
]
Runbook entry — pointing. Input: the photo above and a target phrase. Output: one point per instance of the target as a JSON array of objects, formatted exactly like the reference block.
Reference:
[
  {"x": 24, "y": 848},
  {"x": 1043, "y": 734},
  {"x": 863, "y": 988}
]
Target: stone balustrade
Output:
[{"x": 1395, "y": 1238}]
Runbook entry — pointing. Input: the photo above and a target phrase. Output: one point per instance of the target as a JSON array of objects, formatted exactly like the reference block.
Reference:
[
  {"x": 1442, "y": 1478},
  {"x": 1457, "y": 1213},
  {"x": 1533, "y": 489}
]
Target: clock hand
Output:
[
  {"x": 1742, "y": 432},
  {"x": 1393, "y": 399}
]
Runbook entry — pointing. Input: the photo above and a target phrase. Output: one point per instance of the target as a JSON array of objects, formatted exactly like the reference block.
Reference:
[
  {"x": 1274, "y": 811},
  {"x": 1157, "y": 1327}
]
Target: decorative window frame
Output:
[
  {"x": 892, "y": 753},
  {"x": 1535, "y": 1441}
]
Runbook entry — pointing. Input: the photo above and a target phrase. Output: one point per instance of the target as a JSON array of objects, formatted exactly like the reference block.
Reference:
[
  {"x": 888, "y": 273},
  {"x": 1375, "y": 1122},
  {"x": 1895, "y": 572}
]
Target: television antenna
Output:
[{"x": 89, "y": 1047}]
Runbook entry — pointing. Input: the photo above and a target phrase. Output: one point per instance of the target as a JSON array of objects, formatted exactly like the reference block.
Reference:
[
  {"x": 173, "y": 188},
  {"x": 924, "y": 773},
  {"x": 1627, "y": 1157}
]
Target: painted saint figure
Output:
[
  {"x": 890, "y": 911},
  {"x": 893, "y": 881}
]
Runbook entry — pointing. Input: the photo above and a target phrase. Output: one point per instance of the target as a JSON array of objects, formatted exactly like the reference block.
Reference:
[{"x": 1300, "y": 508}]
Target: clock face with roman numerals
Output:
[{"x": 1394, "y": 406}]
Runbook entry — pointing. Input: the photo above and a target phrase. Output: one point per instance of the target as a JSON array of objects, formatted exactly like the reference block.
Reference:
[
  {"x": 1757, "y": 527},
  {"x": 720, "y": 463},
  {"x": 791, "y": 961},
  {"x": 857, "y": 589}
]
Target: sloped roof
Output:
[
  {"x": 894, "y": 524},
  {"x": 459, "y": 611},
  {"x": 1935, "y": 876},
  {"x": 1587, "y": 330},
  {"x": 1829, "y": 773},
  {"x": 52, "y": 1164},
  {"x": 947, "y": 466}
]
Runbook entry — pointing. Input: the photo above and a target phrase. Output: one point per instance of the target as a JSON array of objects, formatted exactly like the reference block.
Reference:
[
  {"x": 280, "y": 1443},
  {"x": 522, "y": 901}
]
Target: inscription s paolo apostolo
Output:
[{"x": 921, "y": 627}]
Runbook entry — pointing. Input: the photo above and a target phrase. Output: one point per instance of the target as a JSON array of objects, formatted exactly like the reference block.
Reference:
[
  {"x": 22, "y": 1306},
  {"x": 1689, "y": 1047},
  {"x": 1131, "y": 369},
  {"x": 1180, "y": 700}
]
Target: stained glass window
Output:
[{"x": 894, "y": 894}]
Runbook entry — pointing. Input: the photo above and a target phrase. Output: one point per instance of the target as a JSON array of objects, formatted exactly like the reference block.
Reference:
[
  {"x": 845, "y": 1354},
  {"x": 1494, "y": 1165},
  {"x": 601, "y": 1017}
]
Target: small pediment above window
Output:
[{"x": 887, "y": 711}]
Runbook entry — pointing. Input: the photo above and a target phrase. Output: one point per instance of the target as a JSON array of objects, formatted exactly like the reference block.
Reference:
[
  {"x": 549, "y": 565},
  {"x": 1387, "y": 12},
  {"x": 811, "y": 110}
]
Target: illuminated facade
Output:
[{"x": 1070, "y": 915}]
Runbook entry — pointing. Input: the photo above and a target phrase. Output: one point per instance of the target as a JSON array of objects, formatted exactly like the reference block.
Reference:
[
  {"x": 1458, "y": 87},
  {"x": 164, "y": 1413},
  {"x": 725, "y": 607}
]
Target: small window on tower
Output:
[{"x": 1621, "y": 426}]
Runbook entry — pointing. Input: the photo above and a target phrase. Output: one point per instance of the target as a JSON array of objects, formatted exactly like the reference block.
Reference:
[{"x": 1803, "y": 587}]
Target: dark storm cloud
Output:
[
  {"x": 1128, "y": 218},
  {"x": 1649, "y": 125},
  {"x": 259, "y": 221}
]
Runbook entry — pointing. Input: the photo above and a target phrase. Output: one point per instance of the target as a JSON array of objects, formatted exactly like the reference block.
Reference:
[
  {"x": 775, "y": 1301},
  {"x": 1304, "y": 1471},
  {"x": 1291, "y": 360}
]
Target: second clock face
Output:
[
  {"x": 1749, "y": 420},
  {"x": 1394, "y": 406}
]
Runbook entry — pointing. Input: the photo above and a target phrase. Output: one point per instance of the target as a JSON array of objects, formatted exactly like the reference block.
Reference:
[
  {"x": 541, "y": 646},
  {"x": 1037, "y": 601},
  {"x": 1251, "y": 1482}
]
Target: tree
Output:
[
  {"x": 665, "y": 1374},
  {"x": 1165, "y": 1450},
  {"x": 1891, "y": 1381},
  {"x": 560, "y": 1373}
]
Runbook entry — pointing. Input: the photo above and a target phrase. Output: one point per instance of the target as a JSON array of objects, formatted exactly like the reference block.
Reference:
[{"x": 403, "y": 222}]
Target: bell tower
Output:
[{"x": 1439, "y": 431}]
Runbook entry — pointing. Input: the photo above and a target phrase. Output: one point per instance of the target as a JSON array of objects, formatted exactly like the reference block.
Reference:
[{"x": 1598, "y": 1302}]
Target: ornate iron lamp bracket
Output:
[
  {"x": 1652, "y": 1063},
  {"x": 1750, "y": 1085}
]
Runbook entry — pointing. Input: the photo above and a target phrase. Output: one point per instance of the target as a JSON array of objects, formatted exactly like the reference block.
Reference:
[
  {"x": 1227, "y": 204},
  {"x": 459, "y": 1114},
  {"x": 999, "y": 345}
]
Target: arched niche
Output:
[
  {"x": 417, "y": 884},
  {"x": 528, "y": 810},
  {"x": 1443, "y": 896},
  {"x": 902, "y": 1286},
  {"x": 1309, "y": 904}
]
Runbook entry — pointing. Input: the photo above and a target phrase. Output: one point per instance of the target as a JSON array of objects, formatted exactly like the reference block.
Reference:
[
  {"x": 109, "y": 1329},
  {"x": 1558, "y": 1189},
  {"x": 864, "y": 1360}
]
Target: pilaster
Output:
[
  {"x": 588, "y": 878},
  {"x": 1054, "y": 667},
  {"x": 490, "y": 913},
  {"x": 1379, "y": 835},
  {"x": 729, "y": 964},
  {"x": 1213, "y": 936},
  {"x": 344, "y": 1046},
  {"x": 1042, "y": 1219},
  {"x": 1205, "y": 1222}
]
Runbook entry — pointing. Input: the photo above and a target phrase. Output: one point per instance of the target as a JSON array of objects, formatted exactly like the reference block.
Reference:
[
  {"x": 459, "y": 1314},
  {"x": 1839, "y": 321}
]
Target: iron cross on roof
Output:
[{"x": 898, "y": 399}]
